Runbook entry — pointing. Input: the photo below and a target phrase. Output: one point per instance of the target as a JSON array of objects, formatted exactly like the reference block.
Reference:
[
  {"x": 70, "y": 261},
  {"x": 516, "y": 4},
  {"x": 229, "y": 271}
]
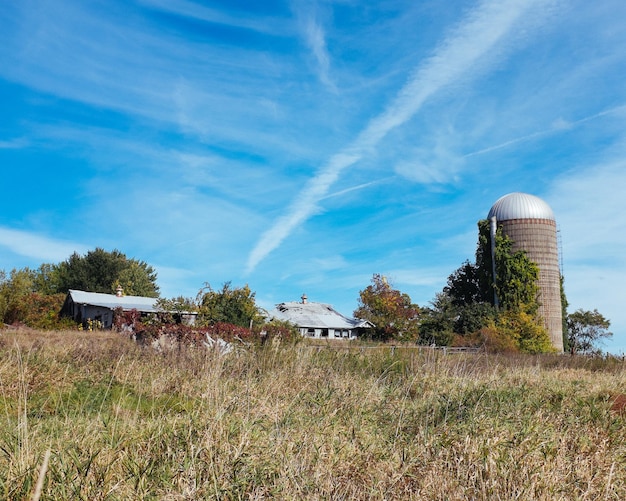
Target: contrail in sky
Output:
[
  {"x": 480, "y": 32},
  {"x": 559, "y": 127}
]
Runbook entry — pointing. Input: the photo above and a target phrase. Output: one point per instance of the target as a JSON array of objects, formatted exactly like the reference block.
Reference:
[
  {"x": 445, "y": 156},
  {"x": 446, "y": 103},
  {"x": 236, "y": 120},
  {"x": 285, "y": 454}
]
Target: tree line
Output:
[
  {"x": 467, "y": 313},
  {"x": 464, "y": 313},
  {"x": 34, "y": 297}
]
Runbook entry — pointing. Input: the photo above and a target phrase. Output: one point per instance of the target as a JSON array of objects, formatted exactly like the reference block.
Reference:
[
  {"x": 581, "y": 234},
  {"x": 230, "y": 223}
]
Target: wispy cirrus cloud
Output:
[
  {"x": 151, "y": 75},
  {"x": 587, "y": 207},
  {"x": 557, "y": 126},
  {"x": 472, "y": 42},
  {"x": 13, "y": 144},
  {"x": 358, "y": 187},
  {"x": 314, "y": 35},
  {"x": 33, "y": 245},
  {"x": 317, "y": 43},
  {"x": 268, "y": 25}
]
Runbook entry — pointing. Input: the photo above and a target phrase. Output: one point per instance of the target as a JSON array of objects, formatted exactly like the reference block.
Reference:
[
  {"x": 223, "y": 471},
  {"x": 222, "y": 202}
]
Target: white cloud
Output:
[
  {"x": 471, "y": 42},
  {"x": 13, "y": 144},
  {"x": 174, "y": 282},
  {"x": 418, "y": 277},
  {"x": 311, "y": 29},
  {"x": 436, "y": 165},
  {"x": 128, "y": 65},
  {"x": 558, "y": 125},
  {"x": 315, "y": 39},
  {"x": 588, "y": 205},
  {"x": 333, "y": 262},
  {"x": 317, "y": 43},
  {"x": 358, "y": 187},
  {"x": 43, "y": 248},
  {"x": 267, "y": 25}
]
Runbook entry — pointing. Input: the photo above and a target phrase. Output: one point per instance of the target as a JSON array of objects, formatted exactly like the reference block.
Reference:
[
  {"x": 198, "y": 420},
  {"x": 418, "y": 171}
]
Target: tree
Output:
[
  {"x": 467, "y": 305},
  {"x": 516, "y": 275},
  {"x": 393, "y": 314},
  {"x": 437, "y": 322},
  {"x": 46, "y": 279},
  {"x": 447, "y": 318},
  {"x": 41, "y": 311},
  {"x": 138, "y": 279},
  {"x": 173, "y": 310},
  {"x": 585, "y": 329},
  {"x": 102, "y": 271},
  {"x": 230, "y": 305},
  {"x": 22, "y": 302},
  {"x": 13, "y": 290},
  {"x": 464, "y": 286},
  {"x": 528, "y": 335},
  {"x": 564, "y": 305}
]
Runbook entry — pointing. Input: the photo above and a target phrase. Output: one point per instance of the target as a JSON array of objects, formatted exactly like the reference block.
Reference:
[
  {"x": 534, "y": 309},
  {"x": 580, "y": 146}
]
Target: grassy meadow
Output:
[{"x": 100, "y": 417}]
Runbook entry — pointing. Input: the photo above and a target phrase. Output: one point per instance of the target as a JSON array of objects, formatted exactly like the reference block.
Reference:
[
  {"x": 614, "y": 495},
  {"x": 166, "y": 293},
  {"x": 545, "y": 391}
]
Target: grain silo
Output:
[{"x": 530, "y": 224}]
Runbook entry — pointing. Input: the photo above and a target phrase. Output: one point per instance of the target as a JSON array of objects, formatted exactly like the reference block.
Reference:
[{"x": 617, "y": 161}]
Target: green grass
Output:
[{"x": 304, "y": 422}]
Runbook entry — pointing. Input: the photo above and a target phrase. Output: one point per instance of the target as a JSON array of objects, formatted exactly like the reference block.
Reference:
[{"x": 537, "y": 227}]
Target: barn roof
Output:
[
  {"x": 315, "y": 315},
  {"x": 111, "y": 301}
]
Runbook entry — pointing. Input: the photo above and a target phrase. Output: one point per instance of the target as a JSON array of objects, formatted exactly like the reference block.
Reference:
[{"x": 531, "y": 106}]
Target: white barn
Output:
[{"x": 319, "y": 320}]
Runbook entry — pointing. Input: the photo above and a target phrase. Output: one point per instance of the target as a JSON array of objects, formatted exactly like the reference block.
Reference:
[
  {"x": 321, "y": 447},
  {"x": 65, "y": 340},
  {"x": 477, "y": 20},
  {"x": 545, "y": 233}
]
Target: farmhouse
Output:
[
  {"x": 319, "y": 320},
  {"x": 84, "y": 306}
]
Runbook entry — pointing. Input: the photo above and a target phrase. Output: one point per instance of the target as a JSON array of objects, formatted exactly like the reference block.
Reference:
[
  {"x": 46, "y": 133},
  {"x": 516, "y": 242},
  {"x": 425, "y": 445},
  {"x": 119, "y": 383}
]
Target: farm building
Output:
[
  {"x": 319, "y": 320},
  {"x": 84, "y": 306},
  {"x": 530, "y": 224}
]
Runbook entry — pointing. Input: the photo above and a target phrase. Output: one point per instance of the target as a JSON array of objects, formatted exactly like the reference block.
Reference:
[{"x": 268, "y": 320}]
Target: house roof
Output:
[
  {"x": 315, "y": 315},
  {"x": 111, "y": 301}
]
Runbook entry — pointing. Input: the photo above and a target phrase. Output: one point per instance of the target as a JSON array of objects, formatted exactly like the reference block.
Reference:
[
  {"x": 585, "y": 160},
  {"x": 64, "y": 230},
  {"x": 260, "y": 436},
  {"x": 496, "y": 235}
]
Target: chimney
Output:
[
  {"x": 119, "y": 292},
  {"x": 304, "y": 298}
]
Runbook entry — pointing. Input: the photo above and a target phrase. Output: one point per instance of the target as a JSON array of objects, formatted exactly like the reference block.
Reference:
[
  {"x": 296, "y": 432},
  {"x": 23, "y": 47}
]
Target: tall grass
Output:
[{"x": 303, "y": 422}]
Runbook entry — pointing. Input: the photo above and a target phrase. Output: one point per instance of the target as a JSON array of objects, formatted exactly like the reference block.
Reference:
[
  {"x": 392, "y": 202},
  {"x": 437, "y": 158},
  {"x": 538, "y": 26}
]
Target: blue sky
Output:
[{"x": 302, "y": 146}]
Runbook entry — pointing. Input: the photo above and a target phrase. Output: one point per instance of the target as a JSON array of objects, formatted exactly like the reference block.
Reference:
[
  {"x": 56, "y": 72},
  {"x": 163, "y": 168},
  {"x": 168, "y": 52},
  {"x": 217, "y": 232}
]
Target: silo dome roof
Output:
[{"x": 520, "y": 206}]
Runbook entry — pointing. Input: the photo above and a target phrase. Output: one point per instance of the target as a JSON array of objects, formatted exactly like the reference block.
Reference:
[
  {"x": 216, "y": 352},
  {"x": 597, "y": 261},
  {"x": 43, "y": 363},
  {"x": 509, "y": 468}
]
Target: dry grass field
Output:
[{"x": 303, "y": 422}]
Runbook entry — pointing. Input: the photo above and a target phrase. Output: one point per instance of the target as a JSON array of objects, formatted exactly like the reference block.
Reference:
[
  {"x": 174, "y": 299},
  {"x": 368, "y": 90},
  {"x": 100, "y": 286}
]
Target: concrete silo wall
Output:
[{"x": 538, "y": 238}]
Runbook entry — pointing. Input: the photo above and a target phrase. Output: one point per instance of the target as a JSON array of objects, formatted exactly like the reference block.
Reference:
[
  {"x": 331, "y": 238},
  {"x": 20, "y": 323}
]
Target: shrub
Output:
[
  {"x": 147, "y": 329},
  {"x": 525, "y": 330},
  {"x": 39, "y": 311},
  {"x": 491, "y": 339}
]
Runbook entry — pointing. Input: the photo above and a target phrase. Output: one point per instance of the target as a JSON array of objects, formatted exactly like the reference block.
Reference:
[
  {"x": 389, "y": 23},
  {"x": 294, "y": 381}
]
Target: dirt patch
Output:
[{"x": 619, "y": 404}]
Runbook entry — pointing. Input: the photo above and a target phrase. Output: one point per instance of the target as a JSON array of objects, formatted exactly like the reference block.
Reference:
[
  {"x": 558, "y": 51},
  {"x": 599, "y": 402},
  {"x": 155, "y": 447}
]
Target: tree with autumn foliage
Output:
[
  {"x": 393, "y": 314},
  {"x": 21, "y": 302}
]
